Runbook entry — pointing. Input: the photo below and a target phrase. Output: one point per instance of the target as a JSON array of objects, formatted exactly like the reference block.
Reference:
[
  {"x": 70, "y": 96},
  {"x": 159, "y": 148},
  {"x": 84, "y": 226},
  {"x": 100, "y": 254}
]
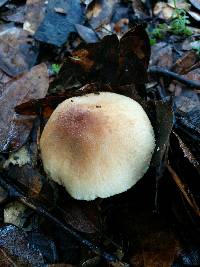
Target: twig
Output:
[
  {"x": 14, "y": 192},
  {"x": 170, "y": 74},
  {"x": 184, "y": 189}
]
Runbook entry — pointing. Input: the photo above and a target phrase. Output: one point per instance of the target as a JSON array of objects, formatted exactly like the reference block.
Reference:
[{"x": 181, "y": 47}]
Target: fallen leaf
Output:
[
  {"x": 49, "y": 103},
  {"x": 161, "y": 55},
  {"x": 3, "y": 2},
  {"x": 100, "y": 12},
  {"x": 15, "y": 14},
  {"x": 87, "y": 34},
  {"x": 185, "y": 62},
  {"x": 152, "y": 239},
  {"x": 18, "y": 51},
  {"x": 45, "y": 245},
  {"x": 134, "y": 56},
  {"x": 35, "y": 12},
  {"x": 55, "y": 27},
  {"x": 14, "y": 128},
  {"x": 163, "y": 128},
  {"x": 195, "y": 3},
  {"x": 16, "y": 250},
  {"x": 185, "y": 190},
  {"x": 187, "y": 110},
  {"x": 163, "y": 10},
  {"x": 28, "y": 178},
  {"x": 188, "y": 154},
  {"x": 75, "y": 216},
  {"x": 128, "y": 57},
  {"x": 194, "y": 15}
]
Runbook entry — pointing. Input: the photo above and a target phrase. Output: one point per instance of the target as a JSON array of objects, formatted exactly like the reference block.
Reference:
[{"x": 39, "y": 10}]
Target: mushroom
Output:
[{"x": 97, "y": 145}]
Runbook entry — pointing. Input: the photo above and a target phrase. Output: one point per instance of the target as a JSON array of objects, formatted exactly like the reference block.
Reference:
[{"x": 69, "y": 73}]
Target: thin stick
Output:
[
  {"x": 14, "y": 192},
  {"x": 184, "y": 189},
  {"x": 170, "y": 74}
]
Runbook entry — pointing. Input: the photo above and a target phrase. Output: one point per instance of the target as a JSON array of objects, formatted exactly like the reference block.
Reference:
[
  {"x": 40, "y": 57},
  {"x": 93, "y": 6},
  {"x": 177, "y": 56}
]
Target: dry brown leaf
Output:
[
  {"x": 184, "y": 63},
  {"x": 163, "y": 10}
]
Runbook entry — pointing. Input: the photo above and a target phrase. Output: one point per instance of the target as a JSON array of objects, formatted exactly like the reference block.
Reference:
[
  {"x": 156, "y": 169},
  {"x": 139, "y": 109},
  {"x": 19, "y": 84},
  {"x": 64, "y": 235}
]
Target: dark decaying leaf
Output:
[
  {"x": 187, "y": 153},
  {"x": 136, "y": 41},
  {"x": 3, "y": 195},
  {"x": 56, "y": 26},
  {"x": 163, "y": 128},
  {"x": 15, "y": 129},
  {"x": 16, "y": 250},
  {"x": 18, "y": 51},
  {"x": 75, "y": 215},
  {"x": 46, "y": 105},
  {"x": 185, "y": 190},
  {"x": 45, "y": 245},
  {"x": 187, "y": 111},
  {"x": 99, "y": 12},
  {"x": 152, "y": 240},
  {"x": 33, "y": 183},
  {"x": 128, "y": 57},
  {"x": 185, "y": 62},
  {"x": 27, "y": 177}
]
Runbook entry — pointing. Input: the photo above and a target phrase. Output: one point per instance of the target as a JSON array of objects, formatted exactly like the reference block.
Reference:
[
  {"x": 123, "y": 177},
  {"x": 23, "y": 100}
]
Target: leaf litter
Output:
[{"x": 99, "y": 46}]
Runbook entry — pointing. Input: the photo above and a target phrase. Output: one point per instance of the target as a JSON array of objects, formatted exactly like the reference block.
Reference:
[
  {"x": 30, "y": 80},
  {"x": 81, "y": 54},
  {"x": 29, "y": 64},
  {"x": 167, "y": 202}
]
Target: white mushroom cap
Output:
[{"x": 97, "y": 145}]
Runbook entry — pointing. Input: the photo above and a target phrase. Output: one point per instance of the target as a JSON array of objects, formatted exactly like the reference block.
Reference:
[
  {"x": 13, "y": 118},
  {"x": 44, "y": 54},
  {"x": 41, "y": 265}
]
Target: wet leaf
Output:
[
  {"x": 31, "y": 180},
  {"x": 164, "y": 124},
  {"x": 152, "y": 240},
  {"x": 16, "y": 250},
  {"x": 14, "y": 128},
  {"x": 134, "y": 56},
  {"x": 87, "y": 34},
  {"x": 161, "y": 55},
  {"x": 194, "y": 15},
  {"x": 187, "y": 153},
  {"x": 100, "y": 12},
  {"x": 185, "y": 190},
  {"x": 187, "y": 110},
  {"x": 3, "y": 2},
  {"x": 18, "y": 51},
  {"x": 75, "y": 216},
  {"x": 185, "y": 62},
  {"x": 195, "y": 3},
  {"x": 56, "y": 27},
  {"x": 15, "y": 14},
  {"x": 47, "y": 105},
  {"x": 128, "y": 57},
  {"x": 45, "y": 245},
  {"x": 35, "y": 12}
]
